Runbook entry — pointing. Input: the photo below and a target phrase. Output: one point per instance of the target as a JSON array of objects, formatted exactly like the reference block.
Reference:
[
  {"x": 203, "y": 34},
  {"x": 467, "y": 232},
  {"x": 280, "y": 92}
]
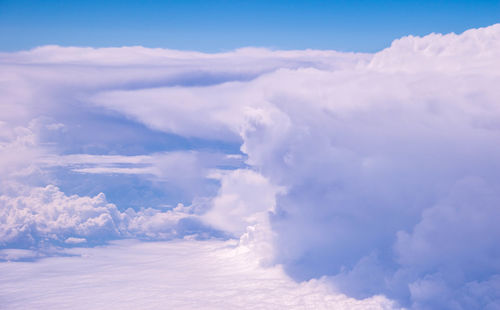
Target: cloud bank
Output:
[
  {"x": 378, "y": 173},
  {"x": 133, "y": 275}
]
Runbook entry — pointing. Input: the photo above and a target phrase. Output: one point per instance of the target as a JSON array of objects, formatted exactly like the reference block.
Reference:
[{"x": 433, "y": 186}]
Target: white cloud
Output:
[
  {"x": 245, "y": 198},
  {"x": 181, "y": 274},
  {"x": 18, "y": 149},
  {"x": 46, "y": 215},
  {"x": 369, "y": 149},
  {"x": 445, "y": 53},
  {"x": 73, "y": 240},
  {"x": 246, "y": 59}
]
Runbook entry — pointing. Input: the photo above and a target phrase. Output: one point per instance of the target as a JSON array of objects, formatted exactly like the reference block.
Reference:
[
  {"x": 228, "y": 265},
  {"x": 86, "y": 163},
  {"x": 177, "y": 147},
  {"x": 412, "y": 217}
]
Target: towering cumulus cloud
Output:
[{"x": 377, "y": 173}]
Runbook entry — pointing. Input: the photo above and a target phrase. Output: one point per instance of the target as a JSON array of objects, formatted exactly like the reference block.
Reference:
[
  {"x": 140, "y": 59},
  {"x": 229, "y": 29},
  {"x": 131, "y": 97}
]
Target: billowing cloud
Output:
[
  {"x": 46, "y": 215},
  {"x": 378, "y": 173},
  {"x": 244, "y": 199}
]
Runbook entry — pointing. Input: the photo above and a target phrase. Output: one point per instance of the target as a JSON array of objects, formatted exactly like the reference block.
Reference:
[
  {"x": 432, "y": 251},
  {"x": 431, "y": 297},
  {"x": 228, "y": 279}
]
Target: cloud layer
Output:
[
  {"x": 175, "y": 275},
  {"x": 380, "y": 172}
]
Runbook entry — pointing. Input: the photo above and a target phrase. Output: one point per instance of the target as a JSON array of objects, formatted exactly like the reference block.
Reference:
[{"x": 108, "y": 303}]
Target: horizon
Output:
[{"x": 217, "y": 26}]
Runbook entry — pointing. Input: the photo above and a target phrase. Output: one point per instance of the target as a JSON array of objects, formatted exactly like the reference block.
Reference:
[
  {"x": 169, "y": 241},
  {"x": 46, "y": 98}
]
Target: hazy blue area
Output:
[{"x": 358, "y": 25}]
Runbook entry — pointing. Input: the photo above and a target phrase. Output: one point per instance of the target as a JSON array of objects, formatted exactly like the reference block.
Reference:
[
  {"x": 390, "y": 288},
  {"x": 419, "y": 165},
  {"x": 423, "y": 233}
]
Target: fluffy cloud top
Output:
[
  {"x": 381, "y": 172},
  {"x": 446, "y": 53}
]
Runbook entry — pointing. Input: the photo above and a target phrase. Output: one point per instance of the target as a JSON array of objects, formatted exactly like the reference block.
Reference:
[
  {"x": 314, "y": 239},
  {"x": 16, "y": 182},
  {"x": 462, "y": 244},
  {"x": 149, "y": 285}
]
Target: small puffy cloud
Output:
[{"x": 73, "y": 240}]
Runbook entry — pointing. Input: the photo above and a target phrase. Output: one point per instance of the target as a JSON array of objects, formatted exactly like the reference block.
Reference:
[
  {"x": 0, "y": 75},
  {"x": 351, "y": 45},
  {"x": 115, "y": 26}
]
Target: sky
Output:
[
  {"x": 238, "y": 165},
  {"x": 214, "y": 26}
]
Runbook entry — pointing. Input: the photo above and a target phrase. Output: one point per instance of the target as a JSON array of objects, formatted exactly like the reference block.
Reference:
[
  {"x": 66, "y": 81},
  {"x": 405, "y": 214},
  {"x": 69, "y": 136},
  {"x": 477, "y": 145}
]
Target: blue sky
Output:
[{"x": 212, "y": 26}]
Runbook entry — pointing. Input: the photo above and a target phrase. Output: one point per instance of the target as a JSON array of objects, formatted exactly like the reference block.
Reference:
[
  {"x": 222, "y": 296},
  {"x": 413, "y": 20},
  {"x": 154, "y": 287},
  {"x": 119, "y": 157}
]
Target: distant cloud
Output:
[{"x": 46, "y": 215}]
